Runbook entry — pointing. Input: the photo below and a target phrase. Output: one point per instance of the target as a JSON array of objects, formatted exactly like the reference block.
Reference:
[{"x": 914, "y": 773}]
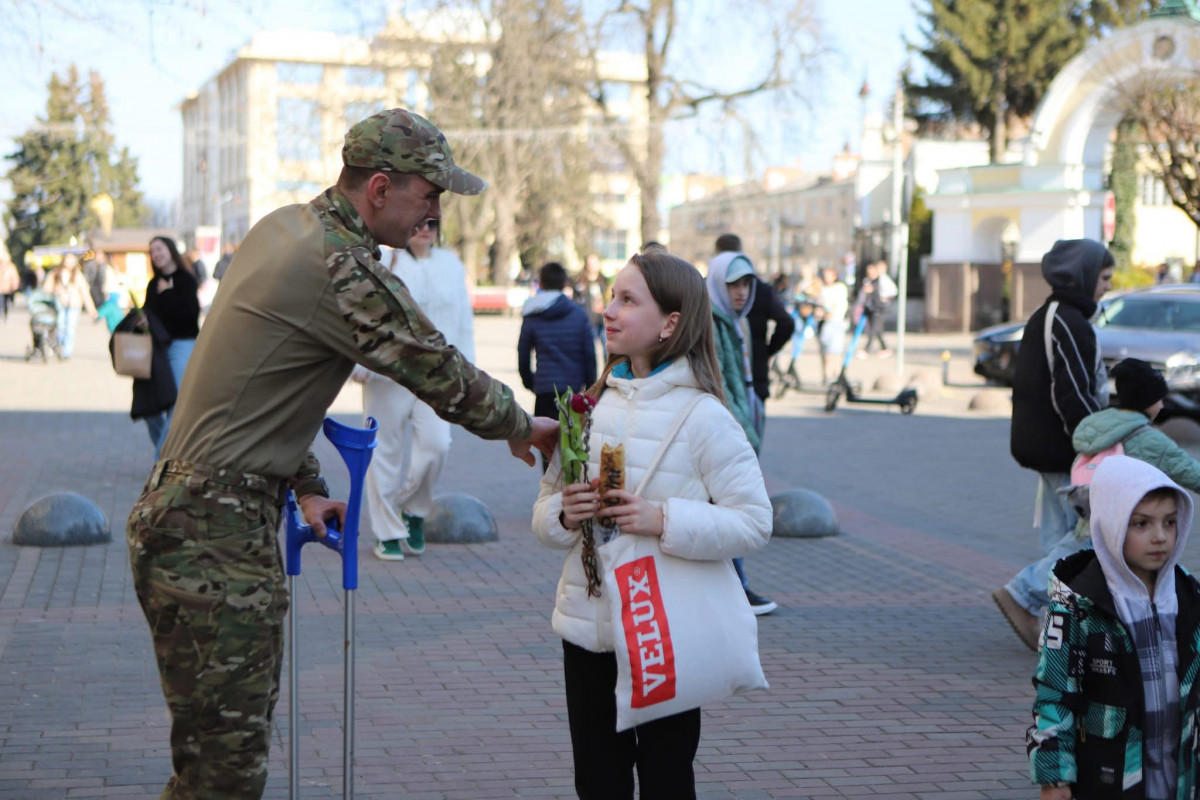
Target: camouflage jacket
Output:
[
  {"x": 304, "y": 299},
  {"x": 1088, "y": 712}
]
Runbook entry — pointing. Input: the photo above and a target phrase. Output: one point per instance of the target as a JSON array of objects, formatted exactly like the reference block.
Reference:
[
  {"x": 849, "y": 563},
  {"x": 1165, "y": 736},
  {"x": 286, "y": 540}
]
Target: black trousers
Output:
[
  {"x": 875, "y": 324},
  {"x": 662, "y": 751}
]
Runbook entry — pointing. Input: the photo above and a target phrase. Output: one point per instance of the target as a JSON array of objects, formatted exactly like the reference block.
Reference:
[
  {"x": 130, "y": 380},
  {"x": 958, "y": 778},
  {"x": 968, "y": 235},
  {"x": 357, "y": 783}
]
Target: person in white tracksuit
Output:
[{"x": 413, "y": 441}]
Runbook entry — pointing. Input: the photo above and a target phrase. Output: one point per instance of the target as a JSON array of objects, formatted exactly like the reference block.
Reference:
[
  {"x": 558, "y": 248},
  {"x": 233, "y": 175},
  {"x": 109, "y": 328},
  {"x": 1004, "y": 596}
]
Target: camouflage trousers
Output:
[{"x": 208, "y": 574}]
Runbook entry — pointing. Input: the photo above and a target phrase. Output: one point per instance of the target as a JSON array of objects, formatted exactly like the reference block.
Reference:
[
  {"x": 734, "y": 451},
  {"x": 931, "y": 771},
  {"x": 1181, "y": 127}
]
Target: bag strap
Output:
[
  {"x": 1048, "y": 335},
  {"x": 671, "y": 433}
]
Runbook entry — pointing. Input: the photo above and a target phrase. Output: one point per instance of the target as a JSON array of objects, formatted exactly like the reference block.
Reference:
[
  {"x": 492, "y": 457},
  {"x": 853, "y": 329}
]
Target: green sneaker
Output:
[
  {"x": 414, "y": 545},
  {"x": 389, "y": 550}
]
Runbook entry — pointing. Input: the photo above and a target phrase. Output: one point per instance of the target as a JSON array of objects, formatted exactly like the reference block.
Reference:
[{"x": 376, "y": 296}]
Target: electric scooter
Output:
[
  {"x": 907, "y": 399},
  {"x": 355, "y": 446}
]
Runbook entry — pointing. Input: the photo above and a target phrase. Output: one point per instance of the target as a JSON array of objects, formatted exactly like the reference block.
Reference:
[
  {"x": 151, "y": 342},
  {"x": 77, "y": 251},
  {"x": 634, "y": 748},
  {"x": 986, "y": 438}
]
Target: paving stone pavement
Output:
[{"x": 892, "y": 675}]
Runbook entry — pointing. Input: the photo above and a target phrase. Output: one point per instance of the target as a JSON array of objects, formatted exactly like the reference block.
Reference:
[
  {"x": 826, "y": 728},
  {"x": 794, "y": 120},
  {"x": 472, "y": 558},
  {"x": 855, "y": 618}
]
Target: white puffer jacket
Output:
[{"x": 709, "y": 458}]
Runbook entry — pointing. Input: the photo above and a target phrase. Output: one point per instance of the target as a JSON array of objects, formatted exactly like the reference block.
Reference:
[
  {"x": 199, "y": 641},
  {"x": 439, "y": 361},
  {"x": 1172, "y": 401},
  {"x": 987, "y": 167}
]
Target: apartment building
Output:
[
  {"x": 267, "y": 129},
  {"x": 806, "y": 221}
]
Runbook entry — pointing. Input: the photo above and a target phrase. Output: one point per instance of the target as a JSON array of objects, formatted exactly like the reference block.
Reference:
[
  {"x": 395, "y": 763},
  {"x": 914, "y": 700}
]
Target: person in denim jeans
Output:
[
  {"x": 70, "y": 288},
  {"x": 171, "y": 296},
  {"x": 1059, "y": 380}
]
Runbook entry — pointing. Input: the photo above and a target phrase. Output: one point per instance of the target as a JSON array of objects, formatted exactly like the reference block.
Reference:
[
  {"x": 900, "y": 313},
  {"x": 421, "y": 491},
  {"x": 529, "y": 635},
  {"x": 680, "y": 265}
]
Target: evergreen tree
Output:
[
  {"x": 63, "y": 161},
  {"x": 991, "y": 61}
]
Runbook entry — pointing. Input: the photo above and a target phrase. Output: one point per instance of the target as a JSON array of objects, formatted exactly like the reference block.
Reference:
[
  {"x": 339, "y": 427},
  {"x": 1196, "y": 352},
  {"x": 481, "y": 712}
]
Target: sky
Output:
[{"x": 153, "y": 53}]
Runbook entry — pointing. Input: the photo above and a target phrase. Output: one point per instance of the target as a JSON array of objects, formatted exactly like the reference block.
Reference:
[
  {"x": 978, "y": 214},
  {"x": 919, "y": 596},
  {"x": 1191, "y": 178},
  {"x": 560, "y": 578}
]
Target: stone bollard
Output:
[
  {"x": 927, "y": 381},
  {"x": 991, "y": 403},
  {"x": 802, "y": 514},
  {"x": 61, "y": 520},
  {"x": 888, "y": 383},
  {"x": 460, "y": 519}
]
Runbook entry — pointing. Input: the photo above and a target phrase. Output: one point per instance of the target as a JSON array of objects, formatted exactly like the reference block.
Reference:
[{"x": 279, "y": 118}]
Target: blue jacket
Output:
[{"x": 558, "y": 330}]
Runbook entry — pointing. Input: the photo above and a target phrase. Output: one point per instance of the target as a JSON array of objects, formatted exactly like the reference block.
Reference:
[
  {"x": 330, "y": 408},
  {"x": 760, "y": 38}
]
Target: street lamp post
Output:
[
  {"x": 1010, "y": 242},
  {"x": 898, "y": 228}
]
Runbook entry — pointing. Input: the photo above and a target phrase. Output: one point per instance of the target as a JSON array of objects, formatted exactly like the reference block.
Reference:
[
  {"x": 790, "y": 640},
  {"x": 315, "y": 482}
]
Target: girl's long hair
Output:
[{"x": 676, "y": 285}]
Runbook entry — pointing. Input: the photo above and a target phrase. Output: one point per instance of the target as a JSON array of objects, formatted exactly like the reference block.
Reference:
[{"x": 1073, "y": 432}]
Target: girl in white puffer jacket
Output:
[{"x": 705, "y": 502}]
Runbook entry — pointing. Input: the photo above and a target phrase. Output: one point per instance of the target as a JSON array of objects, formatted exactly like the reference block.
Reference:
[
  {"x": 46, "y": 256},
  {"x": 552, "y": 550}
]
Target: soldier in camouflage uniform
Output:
[{"x": 303, "y": 301}]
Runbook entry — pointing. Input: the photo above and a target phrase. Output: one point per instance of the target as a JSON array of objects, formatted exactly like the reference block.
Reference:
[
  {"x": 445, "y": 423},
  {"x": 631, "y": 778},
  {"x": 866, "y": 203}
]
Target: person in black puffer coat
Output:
[
  {"x": 1059, "y": 380},
  {"x": 559, "y": 331}
]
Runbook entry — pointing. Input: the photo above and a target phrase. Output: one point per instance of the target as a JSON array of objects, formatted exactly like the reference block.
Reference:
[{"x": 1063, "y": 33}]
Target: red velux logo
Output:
[{"x": 647, "y": 637}]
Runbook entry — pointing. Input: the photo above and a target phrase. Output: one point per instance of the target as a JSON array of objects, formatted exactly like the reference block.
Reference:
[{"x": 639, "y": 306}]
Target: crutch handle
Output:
[
  {"x": 355, "y": 446},
  {"x": 300, "y": 534}
]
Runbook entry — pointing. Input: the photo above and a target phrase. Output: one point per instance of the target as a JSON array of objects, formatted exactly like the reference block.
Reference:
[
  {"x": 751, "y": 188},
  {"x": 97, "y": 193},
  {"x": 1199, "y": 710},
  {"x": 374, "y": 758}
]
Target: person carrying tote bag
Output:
[
  {"x": 700, "y": 501},
  {"x": 153, "y": 395},
  {"x": 684, "y": 632}
]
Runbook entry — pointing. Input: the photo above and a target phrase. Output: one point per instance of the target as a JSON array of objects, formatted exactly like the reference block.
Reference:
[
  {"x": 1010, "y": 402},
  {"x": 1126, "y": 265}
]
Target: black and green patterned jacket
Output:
[{"x": 1087, "y": 715}]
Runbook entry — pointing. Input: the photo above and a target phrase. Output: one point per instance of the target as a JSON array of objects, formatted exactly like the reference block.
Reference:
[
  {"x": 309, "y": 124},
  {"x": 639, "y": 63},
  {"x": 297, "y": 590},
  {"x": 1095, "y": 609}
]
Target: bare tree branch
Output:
[
  {"x": 673, "y": 92},
  {"x": 1166, "y": 108}
]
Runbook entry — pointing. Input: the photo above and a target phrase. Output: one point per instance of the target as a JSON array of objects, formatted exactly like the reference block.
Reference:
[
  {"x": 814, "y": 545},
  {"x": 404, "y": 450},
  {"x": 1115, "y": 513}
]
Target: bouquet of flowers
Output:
[{"x": 575, "y": 426}]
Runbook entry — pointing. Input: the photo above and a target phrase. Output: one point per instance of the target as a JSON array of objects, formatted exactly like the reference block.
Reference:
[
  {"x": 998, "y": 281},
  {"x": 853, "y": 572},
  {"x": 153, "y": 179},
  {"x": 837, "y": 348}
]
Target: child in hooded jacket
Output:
[
  {"x": 706, "y": 502},
  {"x": 1115, "y": 712},
  {"x": 1140, "y": 392}
]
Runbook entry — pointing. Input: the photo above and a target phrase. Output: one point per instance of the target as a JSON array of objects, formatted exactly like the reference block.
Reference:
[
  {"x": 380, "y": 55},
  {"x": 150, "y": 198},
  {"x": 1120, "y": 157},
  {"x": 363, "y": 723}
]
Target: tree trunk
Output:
[
  {"x": 505, "y": 204},
  {"x": 998, "y": 135},
  {"x": 648, "y": 184},
  {"x": 506, "y": 236},
  {"x": 649, "y": 170},
  {"x": 470, "y": 259}
]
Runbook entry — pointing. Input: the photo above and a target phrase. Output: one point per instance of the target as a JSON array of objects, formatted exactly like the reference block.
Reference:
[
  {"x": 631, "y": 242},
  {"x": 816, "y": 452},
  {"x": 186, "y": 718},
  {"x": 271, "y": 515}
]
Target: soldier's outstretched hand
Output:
[{"x": 544, "y": 438}]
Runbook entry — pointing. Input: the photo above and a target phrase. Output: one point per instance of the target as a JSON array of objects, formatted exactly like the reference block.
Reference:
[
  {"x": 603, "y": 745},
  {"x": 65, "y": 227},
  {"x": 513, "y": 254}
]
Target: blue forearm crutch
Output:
[{"x": 355, "y": 446}]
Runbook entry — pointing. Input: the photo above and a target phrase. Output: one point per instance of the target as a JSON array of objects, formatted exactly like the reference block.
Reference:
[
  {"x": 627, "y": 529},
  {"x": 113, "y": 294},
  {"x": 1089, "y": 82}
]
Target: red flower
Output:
[{"x": 579, "y": 403}]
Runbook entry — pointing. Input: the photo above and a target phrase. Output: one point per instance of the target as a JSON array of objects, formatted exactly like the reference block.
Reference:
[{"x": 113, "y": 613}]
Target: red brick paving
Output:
[{"x": 892, "y": 675}]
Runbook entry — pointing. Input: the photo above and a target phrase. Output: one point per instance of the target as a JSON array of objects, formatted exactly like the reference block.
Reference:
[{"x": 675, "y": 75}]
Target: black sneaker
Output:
[{"x": 759, "y": 604}]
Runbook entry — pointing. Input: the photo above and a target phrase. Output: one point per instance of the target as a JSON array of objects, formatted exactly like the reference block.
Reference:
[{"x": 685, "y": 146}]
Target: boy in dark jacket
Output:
[
  {"x": 1115, "y": 715},
  {"x": 559, "y": 331},
  {"x": 1059, "y": 380}
]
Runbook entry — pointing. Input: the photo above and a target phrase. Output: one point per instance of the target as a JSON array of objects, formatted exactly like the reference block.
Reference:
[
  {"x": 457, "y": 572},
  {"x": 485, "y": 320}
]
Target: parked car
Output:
[{"x": 1158, "y": 324}]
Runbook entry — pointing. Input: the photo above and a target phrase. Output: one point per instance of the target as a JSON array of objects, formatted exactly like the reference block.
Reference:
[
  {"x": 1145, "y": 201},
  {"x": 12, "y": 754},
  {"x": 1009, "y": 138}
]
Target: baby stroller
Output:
[{"x": 43, "y": 326}]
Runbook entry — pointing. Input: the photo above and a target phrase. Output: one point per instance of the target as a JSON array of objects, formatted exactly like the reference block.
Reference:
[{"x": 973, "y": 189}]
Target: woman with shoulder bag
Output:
[{"x": 171, "y": 299}]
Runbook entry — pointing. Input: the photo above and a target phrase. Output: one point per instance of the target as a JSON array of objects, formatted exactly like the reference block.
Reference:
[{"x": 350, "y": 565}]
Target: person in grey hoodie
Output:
[
  {"x": 1115, "y": 712},
  {"x": 731, "y": 286},
  {"x": 1059, "y": 380}
]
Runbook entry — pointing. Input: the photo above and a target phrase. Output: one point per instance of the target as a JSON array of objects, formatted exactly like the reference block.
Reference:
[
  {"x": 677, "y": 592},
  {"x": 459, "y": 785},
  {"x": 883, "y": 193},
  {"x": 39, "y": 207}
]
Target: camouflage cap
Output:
[{"x": 401, "y": 141}]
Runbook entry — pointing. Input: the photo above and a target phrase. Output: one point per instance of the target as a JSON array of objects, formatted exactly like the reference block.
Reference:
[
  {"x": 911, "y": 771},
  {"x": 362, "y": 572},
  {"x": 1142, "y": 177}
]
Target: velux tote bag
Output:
[{"x": 684, "y": 632}]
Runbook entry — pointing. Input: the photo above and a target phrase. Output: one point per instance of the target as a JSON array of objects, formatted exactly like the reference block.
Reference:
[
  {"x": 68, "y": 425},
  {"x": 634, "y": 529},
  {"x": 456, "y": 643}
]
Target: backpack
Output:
[
  {"x": 1083, "y": 469},
  {"x": 1084, "y": 466}
]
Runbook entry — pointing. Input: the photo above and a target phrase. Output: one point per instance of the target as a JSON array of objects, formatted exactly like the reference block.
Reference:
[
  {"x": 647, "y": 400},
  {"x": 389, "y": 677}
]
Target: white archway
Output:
[{"x": 1074, "y": 122}]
